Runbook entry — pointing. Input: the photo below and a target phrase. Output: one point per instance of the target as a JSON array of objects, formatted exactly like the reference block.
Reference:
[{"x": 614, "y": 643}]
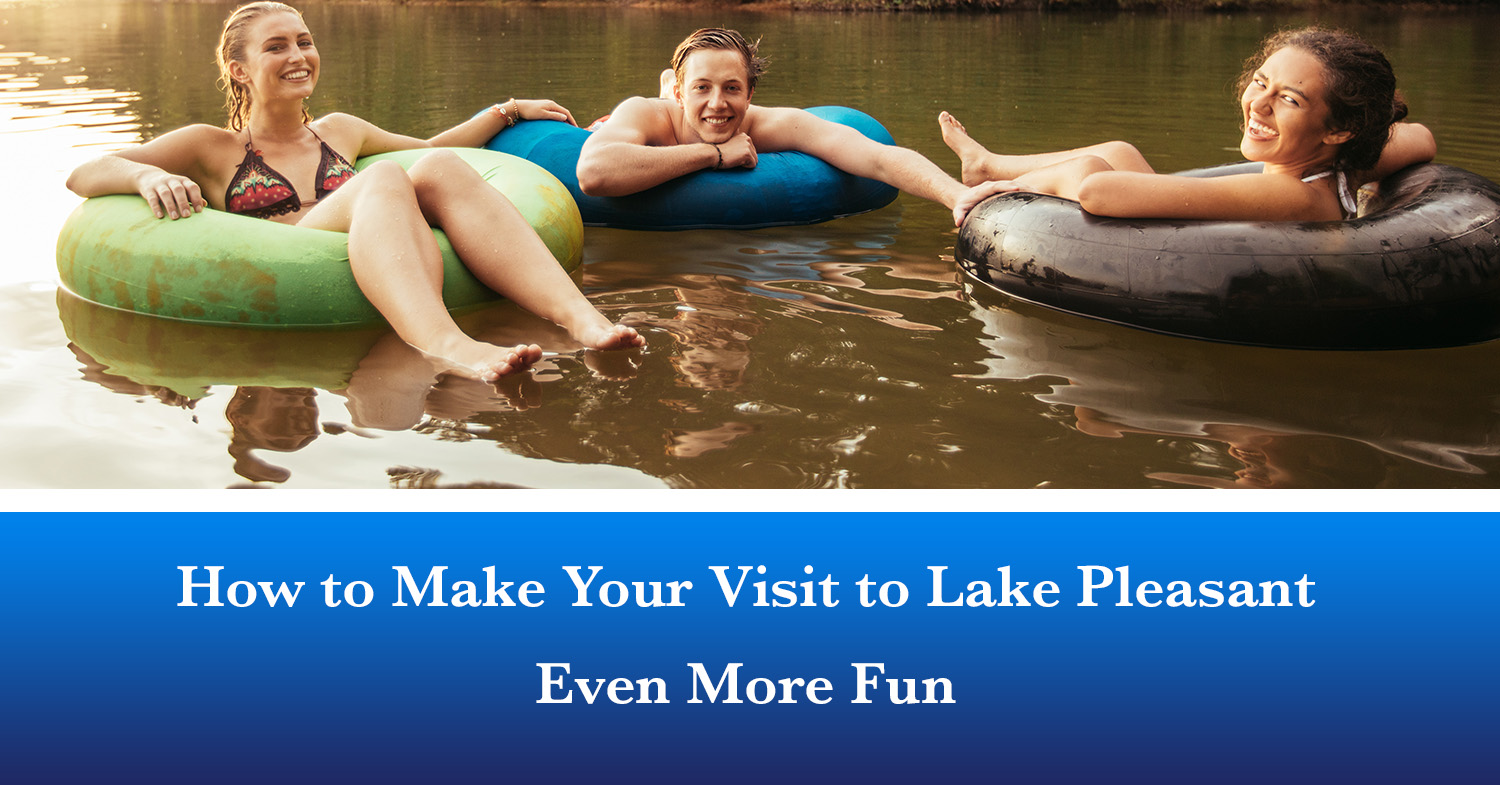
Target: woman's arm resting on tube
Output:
[{"x": 165, "y": 172}]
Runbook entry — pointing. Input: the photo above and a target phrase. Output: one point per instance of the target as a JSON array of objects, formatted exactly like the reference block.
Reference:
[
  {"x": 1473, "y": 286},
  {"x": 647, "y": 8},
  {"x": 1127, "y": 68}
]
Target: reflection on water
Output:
[
  {"x": 267, "y": 418},
  {"x": 43, "y": 93},
  {"x": 1288, "y": 419},
  {"x": 848, "y": 354},
  {"x": 387, "y": 385},
  {"x": 51, "y": 119},
  {"x": 724, "y": 286}
]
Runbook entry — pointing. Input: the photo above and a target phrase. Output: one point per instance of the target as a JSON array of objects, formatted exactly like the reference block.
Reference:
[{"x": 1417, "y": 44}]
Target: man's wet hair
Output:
[{"x": 720, "y": 38}]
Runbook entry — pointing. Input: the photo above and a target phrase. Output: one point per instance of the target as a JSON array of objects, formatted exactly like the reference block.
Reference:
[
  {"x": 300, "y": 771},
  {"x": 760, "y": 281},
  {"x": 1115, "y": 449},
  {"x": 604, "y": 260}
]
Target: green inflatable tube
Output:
[
  {"x": 190, "y": 357},
  {"x": 218, "y": 268}
]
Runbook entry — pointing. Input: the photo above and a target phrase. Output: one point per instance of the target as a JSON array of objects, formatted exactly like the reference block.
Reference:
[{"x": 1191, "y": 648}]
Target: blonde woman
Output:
[{"x": 274, "y": 161}]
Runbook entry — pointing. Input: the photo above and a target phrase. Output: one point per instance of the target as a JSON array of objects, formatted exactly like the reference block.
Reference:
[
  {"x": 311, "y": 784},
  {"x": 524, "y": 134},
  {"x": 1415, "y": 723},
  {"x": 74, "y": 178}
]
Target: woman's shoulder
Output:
[
  {"x": 200, "y": 134},
  {"x": 342, "y": 125},
  {"x": 345, "y": 132},
  {"x": 1284, "y": 196},
  {"x": 338, "y": 120},
  {"x": 189, "y": 150}
]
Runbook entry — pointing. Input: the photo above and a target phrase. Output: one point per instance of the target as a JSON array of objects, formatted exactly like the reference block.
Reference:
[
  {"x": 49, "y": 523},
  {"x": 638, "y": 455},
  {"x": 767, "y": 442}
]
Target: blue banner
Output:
[{"x": 1023, "y": 647}]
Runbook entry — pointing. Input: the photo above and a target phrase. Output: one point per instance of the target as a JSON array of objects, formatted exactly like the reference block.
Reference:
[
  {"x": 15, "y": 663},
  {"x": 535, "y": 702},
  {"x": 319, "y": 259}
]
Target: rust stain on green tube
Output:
[{"x": 218, "y": 268}]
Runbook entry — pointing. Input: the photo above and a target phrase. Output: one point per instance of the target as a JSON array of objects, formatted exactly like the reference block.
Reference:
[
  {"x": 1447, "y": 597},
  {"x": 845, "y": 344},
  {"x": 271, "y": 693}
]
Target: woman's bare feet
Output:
[
  {"x": 518, "y": 359},
  {"x": 614, "y": 336},
  {"x": 612, "y": 366},
  {"x": 486, "y": 361},
  {"x": 489, "y": 362},
  {"x": 589, "y": 327},
  {"x": 971, "y": 154}
]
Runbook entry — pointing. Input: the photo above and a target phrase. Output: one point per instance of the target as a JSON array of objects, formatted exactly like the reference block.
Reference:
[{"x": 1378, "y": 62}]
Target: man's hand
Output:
[
  {"x": 738, "y": 153},
  {"x": 972, "y": 197}
]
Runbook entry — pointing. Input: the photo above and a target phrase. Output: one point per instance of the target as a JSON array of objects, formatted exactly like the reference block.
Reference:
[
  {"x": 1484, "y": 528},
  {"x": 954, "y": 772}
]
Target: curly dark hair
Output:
[{"x": 1362, "y": 97}]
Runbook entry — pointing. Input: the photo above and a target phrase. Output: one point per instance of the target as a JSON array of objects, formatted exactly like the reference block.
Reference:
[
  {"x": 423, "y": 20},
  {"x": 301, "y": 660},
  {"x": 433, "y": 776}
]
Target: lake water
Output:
[{"x": 848, "y": 354}]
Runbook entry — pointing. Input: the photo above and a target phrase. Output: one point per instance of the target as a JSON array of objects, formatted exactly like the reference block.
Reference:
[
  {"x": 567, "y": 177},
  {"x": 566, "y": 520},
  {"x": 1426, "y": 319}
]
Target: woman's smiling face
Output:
[
  {"x": 1284, "y": 115},
  {"x": 280, "y": 58}
]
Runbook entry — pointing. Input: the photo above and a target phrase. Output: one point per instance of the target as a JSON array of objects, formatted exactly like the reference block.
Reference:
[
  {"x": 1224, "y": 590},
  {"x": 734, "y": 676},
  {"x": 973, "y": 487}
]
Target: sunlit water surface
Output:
[{"x": 849, "y": 354}]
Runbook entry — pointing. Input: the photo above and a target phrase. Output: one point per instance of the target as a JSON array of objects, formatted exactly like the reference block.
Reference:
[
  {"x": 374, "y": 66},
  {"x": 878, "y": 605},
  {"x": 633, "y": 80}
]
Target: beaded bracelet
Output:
[
  {"x": 500, "y": 109},
  {"x": 720, "y": 164}
]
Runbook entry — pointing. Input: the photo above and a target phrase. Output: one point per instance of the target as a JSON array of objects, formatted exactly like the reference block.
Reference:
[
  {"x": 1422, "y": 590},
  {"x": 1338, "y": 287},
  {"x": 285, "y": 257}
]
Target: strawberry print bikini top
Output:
[{"x": 259, "y": 191}]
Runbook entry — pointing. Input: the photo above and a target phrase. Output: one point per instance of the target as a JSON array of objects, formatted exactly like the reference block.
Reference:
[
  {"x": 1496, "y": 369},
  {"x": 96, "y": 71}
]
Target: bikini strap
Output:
[
  {"x": 1347, "y": 199},
  {"x": 333, "y": 169},
  {"x": 257, "y": 190}
]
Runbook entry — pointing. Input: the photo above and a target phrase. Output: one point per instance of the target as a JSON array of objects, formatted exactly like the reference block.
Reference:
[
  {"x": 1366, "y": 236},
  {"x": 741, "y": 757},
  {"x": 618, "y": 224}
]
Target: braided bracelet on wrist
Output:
[{"x": 506, "y": 116}]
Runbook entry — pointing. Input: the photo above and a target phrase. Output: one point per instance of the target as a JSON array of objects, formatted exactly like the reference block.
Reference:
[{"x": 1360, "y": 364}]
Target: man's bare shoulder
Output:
[
  {"x": 642, "y": 120},
  {"x": 760, "y": 116},
  {"x": 779, "y": 128}
]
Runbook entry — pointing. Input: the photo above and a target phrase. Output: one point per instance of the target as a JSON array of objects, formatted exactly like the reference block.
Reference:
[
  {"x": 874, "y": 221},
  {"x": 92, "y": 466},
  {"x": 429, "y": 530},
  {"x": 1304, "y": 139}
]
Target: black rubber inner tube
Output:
[{"x": 1419, "y": 267}]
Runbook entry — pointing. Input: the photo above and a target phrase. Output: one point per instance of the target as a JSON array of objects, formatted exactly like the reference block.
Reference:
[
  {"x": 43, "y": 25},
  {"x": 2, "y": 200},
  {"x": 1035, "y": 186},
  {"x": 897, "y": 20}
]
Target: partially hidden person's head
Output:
[
  {"x": 240, "y": 44},
  {"x": 270, "y": 418},
  {"x": 1351, "y": 91}
]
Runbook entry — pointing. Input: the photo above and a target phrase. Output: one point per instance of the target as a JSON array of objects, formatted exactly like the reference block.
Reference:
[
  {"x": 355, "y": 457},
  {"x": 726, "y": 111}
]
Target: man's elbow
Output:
[
  {"x": 589, "y": 183},
  {"x": 593, "y": 179}
]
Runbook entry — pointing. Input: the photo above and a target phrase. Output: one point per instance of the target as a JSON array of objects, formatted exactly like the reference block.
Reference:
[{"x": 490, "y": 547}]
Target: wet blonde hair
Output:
[
  {"x": 720, "y": 38},
  {"x": 232, "y": 45}
]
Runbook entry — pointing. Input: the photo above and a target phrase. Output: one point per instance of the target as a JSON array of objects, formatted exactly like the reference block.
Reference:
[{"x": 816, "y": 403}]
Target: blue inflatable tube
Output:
[{"x": 784, "y": 189}]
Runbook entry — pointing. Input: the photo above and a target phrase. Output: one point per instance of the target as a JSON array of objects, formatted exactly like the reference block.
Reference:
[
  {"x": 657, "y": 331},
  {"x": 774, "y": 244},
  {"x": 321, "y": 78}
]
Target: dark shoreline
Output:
[
  {"x": 996, "y": 6},
  {"x": 1209, "y": 6}
]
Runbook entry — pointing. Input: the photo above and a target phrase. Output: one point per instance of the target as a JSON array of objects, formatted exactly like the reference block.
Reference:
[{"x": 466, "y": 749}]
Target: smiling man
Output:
[{"x": 704, "y": 120}]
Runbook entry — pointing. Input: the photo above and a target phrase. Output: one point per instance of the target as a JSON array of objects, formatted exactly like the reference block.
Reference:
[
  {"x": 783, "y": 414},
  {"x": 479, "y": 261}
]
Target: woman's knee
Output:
[
  {"x": 385, "y": 180},
  {"x": 442, "y": 177},
  {"x": 440, "y": 159},
  {"x": 381, "y": 190},
  {"x": 1120, "y": 155},
  {"x": 443, "y": 173},
  {"x": 385, "y": 172},
  {"x": 441, "y": 168},
  {"x": 1085, "y": 165}
]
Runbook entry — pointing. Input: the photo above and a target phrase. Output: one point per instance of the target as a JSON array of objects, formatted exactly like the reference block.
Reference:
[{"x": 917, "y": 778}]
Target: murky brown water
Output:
[{"x": 849, "y": 354}]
